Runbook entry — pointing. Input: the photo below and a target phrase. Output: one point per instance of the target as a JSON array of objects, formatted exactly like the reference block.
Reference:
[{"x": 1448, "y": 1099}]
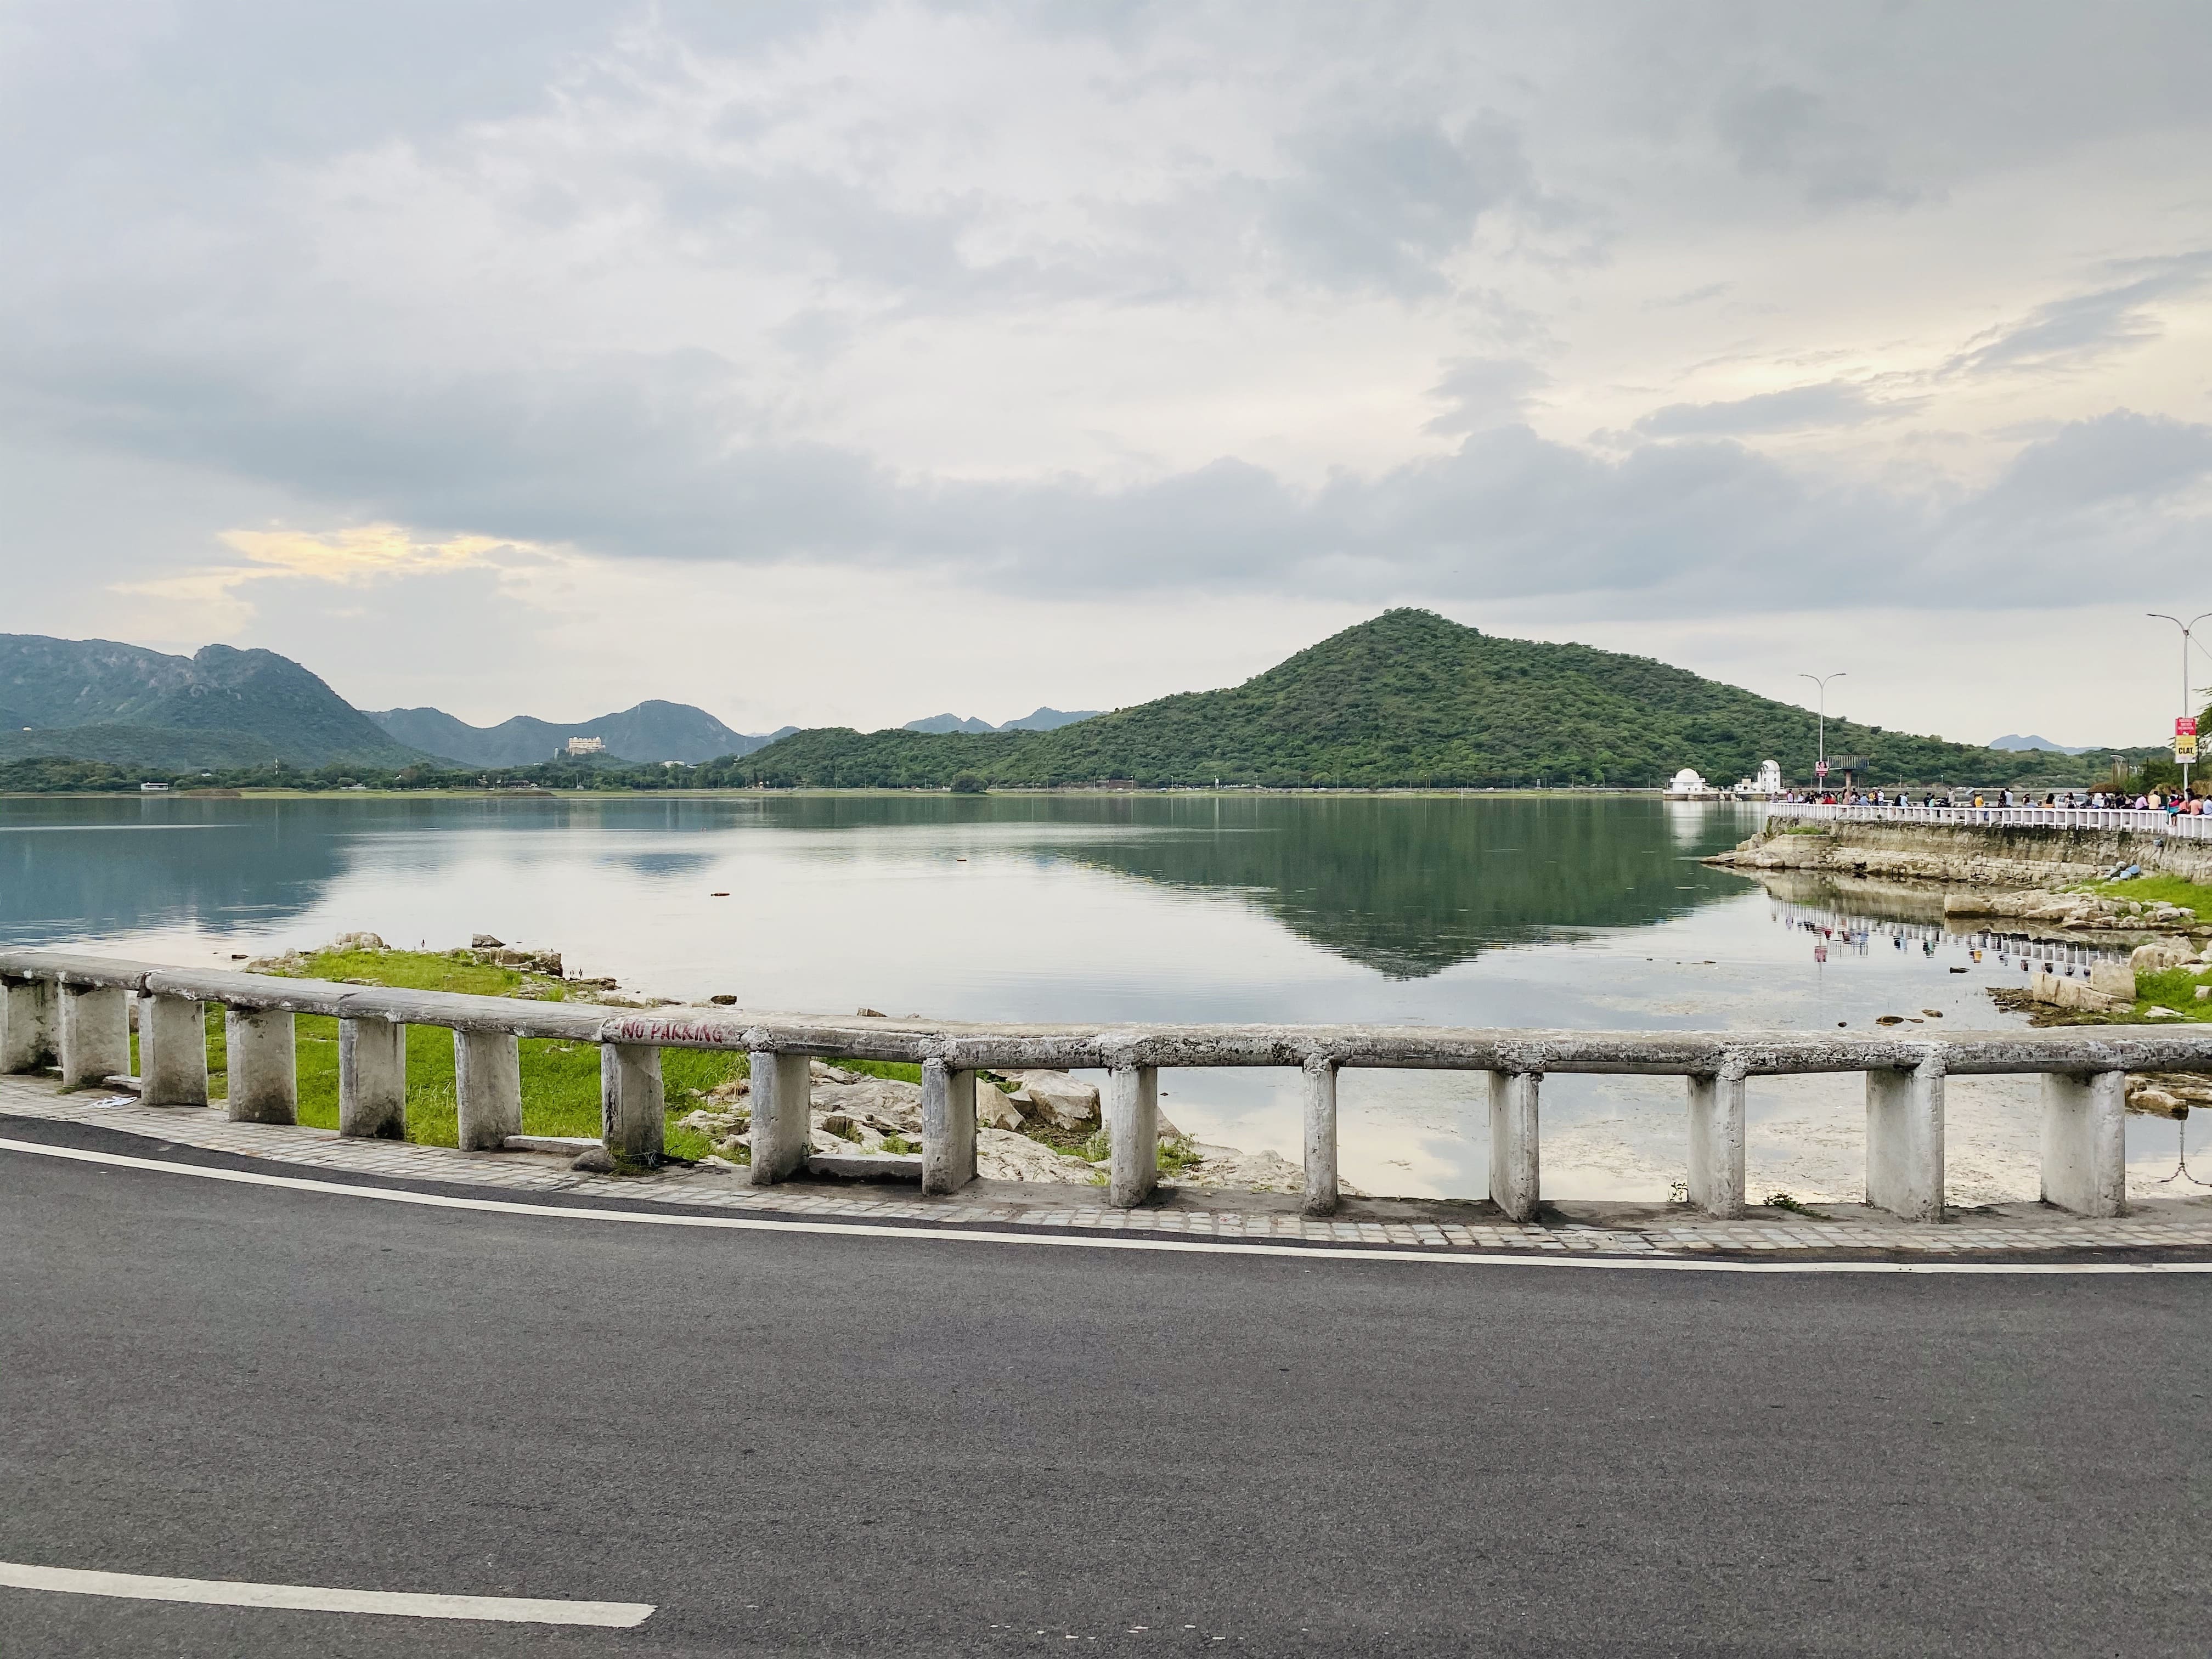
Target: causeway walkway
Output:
[{"x": 2158, "y": 1224}]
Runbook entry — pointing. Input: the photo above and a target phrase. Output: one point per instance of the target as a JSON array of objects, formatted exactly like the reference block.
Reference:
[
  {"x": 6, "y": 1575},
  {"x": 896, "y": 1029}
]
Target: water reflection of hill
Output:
[{"x": 1411, "y": 886}]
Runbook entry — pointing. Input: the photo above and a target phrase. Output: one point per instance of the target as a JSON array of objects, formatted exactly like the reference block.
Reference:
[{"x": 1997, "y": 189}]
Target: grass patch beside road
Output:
[{"x": 560, "y": 1080}]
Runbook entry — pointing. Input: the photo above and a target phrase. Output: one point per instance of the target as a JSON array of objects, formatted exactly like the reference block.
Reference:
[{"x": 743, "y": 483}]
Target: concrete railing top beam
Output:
[{"x": 1009, "y": 1047}]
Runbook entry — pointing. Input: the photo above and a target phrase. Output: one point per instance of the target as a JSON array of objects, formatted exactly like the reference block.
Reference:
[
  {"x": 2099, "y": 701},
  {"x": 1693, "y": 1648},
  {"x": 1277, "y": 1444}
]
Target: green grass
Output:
[
  {"x": 560, "y": 1080},
  {"x": 2175, "y": 989},
  {"x": 2190, "y": 895}
]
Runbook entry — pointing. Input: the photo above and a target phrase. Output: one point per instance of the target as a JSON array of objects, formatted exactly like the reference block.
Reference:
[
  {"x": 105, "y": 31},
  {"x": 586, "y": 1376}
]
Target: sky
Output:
[{"x": 846, "y": 363}]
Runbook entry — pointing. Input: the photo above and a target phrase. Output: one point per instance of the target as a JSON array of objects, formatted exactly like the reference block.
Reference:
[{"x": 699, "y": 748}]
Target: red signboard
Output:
[
  {"x": 1821, "y": 770},
  {"x": 2185, "y": 726}
]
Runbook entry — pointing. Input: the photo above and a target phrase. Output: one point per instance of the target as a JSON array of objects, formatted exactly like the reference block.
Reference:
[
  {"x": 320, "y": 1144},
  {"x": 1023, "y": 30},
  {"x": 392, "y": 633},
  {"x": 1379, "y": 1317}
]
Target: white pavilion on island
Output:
[{"x": 1689, "y": 784}]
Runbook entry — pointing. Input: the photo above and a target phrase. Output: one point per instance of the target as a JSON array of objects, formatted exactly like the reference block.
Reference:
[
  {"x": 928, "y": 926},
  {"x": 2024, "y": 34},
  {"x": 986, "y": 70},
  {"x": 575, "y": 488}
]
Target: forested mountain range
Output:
[
  {"x": 1411, "y": 699},
  {"x": 653, "y": 730}
]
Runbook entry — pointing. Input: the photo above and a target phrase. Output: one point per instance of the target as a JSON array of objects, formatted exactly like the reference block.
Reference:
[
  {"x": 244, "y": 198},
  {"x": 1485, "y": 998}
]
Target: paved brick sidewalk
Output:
[{"x": 2167, "y": 1223}]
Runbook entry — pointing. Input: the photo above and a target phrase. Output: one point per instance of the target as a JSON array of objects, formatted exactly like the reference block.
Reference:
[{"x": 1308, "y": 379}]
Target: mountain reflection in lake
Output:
[{"x": 1553, "y": 910}]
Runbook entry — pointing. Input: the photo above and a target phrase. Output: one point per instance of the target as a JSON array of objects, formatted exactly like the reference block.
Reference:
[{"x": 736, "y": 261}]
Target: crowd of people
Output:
[{"x": 2171, "y": 802}]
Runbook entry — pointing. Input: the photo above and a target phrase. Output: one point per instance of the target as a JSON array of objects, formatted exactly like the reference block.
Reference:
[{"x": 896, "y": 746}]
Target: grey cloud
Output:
[
  {"x": 1788, "y": 132},
  {"x": 2084, "y": 328},
  {"x": 2123, "y": 460},
  {"x": 1485, "y": 391},
  {"x": 1381, "y": 206},
  {"x": 658, "y": 459},
  {"x": 1795, "y": 409}
]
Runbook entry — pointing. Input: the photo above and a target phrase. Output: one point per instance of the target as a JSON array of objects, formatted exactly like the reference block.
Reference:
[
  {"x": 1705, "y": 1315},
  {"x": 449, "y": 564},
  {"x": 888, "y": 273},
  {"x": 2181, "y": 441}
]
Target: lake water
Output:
[{"x": 1550, "y": 911}]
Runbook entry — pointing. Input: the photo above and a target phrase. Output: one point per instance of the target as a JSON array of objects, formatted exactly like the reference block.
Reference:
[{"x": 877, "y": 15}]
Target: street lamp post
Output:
[
  {"x": 1820, "y": 771},
  {"x": 2159, "y": 615}
]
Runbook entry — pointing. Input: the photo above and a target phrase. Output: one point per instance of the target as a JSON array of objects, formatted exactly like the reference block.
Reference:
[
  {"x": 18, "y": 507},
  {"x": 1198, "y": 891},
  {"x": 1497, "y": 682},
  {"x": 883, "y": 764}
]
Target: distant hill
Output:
[
  {"x": 1045, "y": 719},
  {"x": 84, "y": 694},
  {"x": 1409, "y": 699},
  {"x": 2012, "y": 741},
  {"x": 651, "y": 732}
]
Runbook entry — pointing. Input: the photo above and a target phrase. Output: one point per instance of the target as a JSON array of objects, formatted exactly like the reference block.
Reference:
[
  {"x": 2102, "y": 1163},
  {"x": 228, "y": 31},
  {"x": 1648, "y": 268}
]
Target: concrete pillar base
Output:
[
  {"x": 1717, "y": 1145},
  {"x": 27, "y": 1037},
  {"x": 783, "y": 1125},
  {"x": 948, "y": 1127},
  {"x": 173, "y": 1068},
  {"x": 487, "y": 1089},
  {"x": 372, "y": 1079},
  {"x": 2085, "y": 1160},
  {"x": 1320, "y": 1091},
  {"x": 632, "y": 1105},
  {"x": 1133, "y": 1131},
  {"x": 1905, "y": 1140},
  {"x": 1514, "y": 1175},
  {"x": 263, "y": 1065},
  {"x": 96, "y": 1035}
]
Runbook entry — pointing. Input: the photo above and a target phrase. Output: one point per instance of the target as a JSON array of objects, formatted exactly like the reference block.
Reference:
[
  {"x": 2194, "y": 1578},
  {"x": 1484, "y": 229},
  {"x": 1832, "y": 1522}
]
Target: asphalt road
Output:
[{"x": 821, "y": 1445}]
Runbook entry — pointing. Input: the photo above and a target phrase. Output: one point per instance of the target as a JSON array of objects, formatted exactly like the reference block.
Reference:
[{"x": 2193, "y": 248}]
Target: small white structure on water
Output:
[
  {"x": 1689, "y": 785},
  {"x": 1766, "y": 787}
]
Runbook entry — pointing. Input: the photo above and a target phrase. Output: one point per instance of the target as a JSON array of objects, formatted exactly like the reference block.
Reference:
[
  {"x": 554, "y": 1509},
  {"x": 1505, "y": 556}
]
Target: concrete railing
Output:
[
  {"x": 2180, "y": 825},
  {"x": 73, "y": 1011}
]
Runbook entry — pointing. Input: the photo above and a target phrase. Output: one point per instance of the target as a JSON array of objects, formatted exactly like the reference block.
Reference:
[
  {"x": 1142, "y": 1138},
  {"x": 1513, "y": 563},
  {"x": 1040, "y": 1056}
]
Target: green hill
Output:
[
  {"x": 80, "y": 694},
  {"x": 1409, "y": 700}
]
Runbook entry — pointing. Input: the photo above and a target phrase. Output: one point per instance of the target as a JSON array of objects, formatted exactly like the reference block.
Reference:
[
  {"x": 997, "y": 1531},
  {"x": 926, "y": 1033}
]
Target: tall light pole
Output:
[
  {"x": 2160, "y": 616},
  {"x": 1820, "y": 772}
]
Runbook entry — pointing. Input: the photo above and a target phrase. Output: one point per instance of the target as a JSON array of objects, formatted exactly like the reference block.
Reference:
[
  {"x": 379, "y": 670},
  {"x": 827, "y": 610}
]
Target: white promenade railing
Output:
[
  {"x": 2181, "y": 826},
  {"x": 74, "y": 1011}
]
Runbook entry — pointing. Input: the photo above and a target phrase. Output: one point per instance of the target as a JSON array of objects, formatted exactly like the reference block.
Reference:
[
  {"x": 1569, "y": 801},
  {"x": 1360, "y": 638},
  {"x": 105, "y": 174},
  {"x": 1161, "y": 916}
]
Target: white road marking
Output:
[
  {"x": 953, "y": 1234},
  {"x": 313, "y": 1598}
]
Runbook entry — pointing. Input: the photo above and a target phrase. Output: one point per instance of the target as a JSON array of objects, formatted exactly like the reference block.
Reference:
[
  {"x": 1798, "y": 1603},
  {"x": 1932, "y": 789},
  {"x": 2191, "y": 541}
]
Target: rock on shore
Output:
[{"x": 851, "y": 1112}]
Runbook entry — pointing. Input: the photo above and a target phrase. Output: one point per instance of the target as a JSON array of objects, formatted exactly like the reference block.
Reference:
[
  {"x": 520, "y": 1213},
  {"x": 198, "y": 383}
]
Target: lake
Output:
[{"x": 1532, "y": 911}]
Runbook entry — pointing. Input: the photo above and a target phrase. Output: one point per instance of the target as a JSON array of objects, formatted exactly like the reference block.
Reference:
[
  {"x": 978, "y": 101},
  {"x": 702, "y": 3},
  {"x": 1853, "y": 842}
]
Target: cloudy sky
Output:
[{"x": 849, "y": 362}]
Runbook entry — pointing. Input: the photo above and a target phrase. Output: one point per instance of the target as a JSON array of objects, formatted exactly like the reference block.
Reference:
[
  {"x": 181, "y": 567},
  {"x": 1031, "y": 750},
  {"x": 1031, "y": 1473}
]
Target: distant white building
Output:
[
  {"x": 1766, "y": 787},
  {"x": 587, "y": 746}
]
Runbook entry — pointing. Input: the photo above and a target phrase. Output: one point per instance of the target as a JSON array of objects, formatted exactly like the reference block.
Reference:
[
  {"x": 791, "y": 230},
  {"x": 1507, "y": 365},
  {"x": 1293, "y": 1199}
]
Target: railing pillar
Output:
[
  {"x": 1133, "y": 1133},
  {"x": 2085, "y": 1142},
  {"x": 27, "y": 1024},
  {"x": 1515, "y": 1185},
  {"x": 173, "y": 1068},
  {"x": 1717, "y": 1144},
  {"x": 1905, "y": 1140},
  {"x": 1319, "y": 1078},
  {"x": 783, "y": 1123},
  {"x": 487, "y": 1089},
  {"x": 948, "y": 1127},
  {"x": 96, "y": 1034},
  {"x": 263, "y": 1066},
  {"x": 373, "y": 1079},
  {"x": 632, "y": 1105}
]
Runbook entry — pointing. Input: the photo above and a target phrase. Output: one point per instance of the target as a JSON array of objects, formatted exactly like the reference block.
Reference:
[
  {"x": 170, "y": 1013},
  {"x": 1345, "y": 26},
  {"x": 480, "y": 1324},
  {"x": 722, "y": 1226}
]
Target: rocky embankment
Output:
[
  {"x": 2072, "y": 911},
  {"x": 1025, "y": 1124}
]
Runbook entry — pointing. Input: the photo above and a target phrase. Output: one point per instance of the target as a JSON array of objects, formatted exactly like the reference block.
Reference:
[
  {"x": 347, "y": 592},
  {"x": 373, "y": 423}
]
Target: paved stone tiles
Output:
[{"x": 2168, "y": 1224}]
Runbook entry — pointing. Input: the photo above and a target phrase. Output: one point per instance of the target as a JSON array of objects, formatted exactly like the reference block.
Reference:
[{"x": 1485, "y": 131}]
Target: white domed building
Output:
[{"x": 1689, "y": 785}]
